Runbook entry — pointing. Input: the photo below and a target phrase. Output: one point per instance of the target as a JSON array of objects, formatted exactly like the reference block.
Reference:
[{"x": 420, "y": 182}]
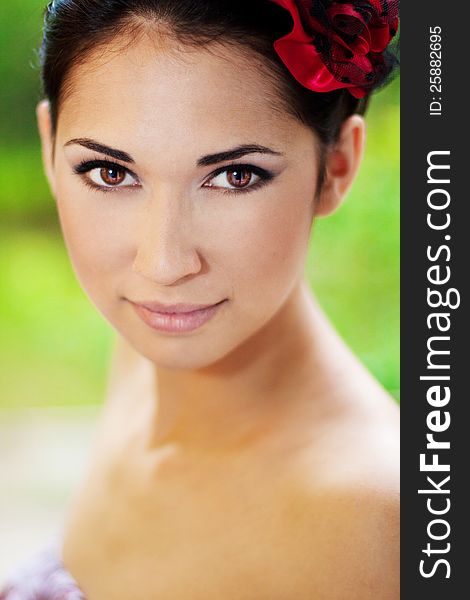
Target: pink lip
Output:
[{"x": 175, "y": 318}]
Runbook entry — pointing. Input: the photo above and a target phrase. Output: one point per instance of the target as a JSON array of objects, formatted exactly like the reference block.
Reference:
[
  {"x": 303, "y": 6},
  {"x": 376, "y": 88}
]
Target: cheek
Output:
[
  {"x": 94, "y": 240},
  {"x": 264, "y": 252}
]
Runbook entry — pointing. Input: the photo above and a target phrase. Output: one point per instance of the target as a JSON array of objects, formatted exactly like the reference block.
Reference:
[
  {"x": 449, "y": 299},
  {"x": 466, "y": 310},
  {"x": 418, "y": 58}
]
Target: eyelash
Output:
[
  {"x": 264, "y": 178},
  {"x": 88, "y": 165}
]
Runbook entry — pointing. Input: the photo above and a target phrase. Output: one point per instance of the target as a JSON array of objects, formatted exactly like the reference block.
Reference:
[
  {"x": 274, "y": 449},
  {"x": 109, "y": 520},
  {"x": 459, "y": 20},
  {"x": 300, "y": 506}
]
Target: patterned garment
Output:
[{"x": 42, "y": 578}]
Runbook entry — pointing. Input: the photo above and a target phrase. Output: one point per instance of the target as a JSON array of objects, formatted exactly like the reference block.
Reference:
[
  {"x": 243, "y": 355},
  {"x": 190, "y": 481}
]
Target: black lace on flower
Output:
[{"x": 346, "y": 61}]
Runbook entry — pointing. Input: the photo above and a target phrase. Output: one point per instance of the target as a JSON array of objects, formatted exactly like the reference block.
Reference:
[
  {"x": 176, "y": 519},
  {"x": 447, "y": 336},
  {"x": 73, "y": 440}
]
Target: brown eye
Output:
[
  {"x": 106, "y": 176},
  {"x": 240, "y": 177},
  {"x": 112, "y": 176}
]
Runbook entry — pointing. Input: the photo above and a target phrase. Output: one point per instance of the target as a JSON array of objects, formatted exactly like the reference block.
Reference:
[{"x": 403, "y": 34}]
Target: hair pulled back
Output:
[{"x": 74, "y": 28}]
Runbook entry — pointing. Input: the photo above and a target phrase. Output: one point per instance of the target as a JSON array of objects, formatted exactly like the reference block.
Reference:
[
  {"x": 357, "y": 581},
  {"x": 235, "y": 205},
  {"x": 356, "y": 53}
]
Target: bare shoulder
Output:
[
  {"x": 348, "y": 544},
  {"x": 344, "y": 509}
]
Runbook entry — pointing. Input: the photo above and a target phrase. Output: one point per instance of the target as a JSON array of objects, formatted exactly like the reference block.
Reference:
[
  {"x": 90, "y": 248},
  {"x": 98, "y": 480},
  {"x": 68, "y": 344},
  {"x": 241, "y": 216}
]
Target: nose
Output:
[{"x": 165, "y": 251}]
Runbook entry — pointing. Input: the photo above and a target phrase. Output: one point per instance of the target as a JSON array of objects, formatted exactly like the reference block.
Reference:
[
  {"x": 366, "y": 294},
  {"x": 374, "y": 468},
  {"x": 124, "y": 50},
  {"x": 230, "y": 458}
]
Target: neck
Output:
[{"x": 240, "y": 398}]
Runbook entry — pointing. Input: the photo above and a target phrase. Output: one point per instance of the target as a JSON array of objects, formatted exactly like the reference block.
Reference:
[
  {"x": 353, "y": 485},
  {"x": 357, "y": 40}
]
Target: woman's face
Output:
[{"x": 209, "y": 198}]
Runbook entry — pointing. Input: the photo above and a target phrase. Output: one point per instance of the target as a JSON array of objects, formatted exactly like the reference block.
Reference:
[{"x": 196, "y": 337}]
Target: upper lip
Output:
[{"x": 173, "y": 308}]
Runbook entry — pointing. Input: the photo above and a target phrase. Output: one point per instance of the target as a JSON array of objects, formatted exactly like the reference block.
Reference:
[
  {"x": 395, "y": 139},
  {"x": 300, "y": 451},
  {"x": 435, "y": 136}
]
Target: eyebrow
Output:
[
  {"x": 204, "y": 161},
  {"x": 93, "y": 145},
  {"x": 234, "y": 153}
]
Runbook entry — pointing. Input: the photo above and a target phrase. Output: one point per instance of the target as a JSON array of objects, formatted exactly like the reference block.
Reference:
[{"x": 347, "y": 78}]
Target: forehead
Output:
[{"x": 147, "y": 89}]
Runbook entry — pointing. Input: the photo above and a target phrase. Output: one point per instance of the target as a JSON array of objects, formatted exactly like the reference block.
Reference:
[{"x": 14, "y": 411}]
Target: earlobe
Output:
[
  {"x": 342, "y": 164},
  {"x": 44, "y": 121}
]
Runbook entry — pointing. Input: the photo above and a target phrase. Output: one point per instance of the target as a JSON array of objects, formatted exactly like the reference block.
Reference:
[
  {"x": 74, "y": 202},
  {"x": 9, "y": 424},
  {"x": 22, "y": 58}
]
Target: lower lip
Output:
[{"x": 177, "y": 322}]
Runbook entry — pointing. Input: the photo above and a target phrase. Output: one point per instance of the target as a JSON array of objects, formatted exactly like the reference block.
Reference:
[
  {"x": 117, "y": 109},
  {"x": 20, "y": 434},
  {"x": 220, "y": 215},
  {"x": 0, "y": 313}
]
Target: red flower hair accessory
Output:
[{"x": 336, "y": 44}]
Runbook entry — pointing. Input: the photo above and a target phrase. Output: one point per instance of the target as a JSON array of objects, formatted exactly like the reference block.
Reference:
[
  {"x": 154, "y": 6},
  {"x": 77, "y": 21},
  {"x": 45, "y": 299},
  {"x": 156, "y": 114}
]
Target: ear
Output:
[
  {"x": 342, "y": 163},
  {"x": 43, "y": 114}
]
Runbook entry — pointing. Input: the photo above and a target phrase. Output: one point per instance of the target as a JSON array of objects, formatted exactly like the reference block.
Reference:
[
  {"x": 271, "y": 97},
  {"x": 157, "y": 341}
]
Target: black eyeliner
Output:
[
  {"x": 265, "y": 177},
  {"x": 89, "y": 165},
  {"x": 86, "y": 166}
]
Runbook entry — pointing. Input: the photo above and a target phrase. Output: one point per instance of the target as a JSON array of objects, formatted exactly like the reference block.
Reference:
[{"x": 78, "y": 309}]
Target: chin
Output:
[
  {"x": 193, "y": 351},
  {"x": 182, "y": 356},
  {"x": 201, "y": 349}
]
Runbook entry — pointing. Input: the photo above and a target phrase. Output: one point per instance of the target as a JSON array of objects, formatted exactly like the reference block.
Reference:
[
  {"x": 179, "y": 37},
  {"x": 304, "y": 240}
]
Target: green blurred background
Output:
[{"x": 55, "y": 347}]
